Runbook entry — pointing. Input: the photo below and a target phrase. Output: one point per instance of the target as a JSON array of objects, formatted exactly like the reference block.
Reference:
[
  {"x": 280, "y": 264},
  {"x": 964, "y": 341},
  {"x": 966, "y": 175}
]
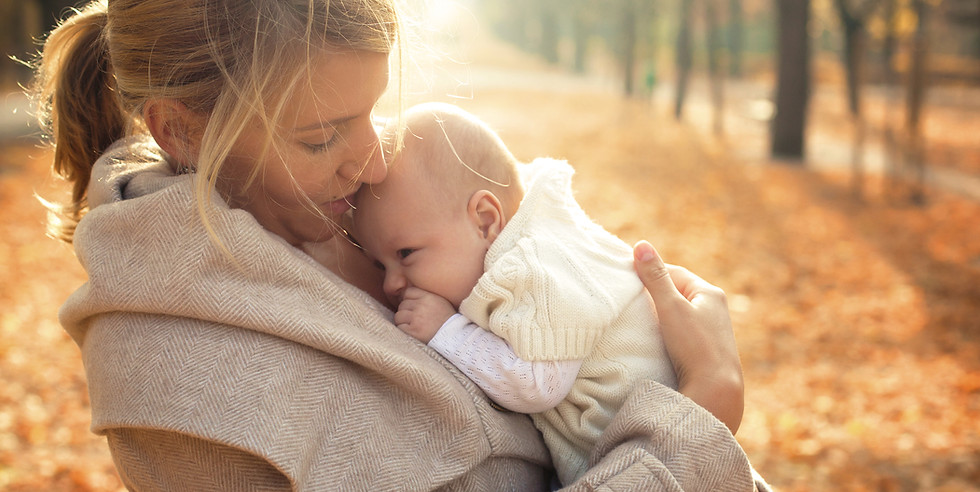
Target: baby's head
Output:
[
  {"x": 451, "y": 188},
  {"x": 456, "y": 152}
]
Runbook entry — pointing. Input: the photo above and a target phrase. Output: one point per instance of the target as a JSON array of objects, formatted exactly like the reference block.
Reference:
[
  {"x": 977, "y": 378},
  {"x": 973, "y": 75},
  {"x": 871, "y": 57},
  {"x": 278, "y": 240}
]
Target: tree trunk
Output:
[
  {"x": 735, "y": 38},
  {"x": 514, "y": 27},
  {"x": 548, "y": 44},
  {"x": 852, "y": 23},
  {"x": 650, "y": 79},
  {"x": 793, "y": 80},
  {"x": 714, "y": 67},
  {"x": 580, "y": 40},
  {"x": 893, "y": 155},
  {"x": 916, "y": 93},
  {"x": 684, "y": 56},
  {"x": 891, "y": 39},
  {"x": 629, "y": 46},
  {"x": 23, "y": 25},
  {"x": 853, "y": 54}
]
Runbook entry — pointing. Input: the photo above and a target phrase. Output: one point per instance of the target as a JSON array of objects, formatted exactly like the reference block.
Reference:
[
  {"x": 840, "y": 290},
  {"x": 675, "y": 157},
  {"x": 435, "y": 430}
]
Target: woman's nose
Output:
[{"x": 366, "y": 160}]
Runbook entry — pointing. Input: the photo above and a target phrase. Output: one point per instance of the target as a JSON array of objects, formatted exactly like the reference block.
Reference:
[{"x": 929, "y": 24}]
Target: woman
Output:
[{"x": 208, "y": 142}]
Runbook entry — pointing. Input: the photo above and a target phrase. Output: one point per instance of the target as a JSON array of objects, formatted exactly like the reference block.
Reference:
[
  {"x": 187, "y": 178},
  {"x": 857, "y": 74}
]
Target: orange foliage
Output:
[
  {"x": 858, "y": 322},
  {"x": 45, "y": 443}
]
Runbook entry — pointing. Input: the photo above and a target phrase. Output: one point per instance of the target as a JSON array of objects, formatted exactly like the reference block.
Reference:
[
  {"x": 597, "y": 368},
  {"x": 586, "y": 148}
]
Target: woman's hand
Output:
[
  {"x": 422, "y": 313},
  {"x": 697, "y": 332}
]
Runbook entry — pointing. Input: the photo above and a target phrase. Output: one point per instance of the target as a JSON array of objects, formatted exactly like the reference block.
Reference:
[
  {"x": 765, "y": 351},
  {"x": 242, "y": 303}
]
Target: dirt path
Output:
[
  {"x": 954, "y": 156},
  {"x": 951, "y": 129}
]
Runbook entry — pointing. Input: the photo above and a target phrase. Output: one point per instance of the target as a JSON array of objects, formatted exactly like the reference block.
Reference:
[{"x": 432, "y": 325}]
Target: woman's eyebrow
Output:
[{"x": 321, "y": 124}]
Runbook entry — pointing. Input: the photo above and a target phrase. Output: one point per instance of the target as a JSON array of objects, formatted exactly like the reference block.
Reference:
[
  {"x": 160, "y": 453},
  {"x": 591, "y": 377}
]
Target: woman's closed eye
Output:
[
  {"x": 319, "y": 140},
  {"x": 320, "y": 147}
]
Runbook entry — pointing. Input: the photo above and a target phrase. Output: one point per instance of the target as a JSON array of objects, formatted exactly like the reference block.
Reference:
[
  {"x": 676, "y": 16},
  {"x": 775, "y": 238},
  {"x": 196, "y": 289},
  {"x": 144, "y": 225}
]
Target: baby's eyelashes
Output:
[{"x": 401, "y": 254}]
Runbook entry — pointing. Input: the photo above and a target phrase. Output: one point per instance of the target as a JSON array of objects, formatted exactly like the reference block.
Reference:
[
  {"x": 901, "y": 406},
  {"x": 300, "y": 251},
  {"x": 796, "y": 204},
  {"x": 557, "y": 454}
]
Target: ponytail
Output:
[{"x": 77, "y": 107}]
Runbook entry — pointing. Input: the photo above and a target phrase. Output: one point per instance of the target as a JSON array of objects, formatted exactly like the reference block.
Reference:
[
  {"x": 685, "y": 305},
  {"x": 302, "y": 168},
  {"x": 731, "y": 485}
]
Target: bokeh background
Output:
[{"x": 817, "y": 159}]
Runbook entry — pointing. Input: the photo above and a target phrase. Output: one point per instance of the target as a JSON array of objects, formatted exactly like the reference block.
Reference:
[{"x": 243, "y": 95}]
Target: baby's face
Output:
[{"x": 419, "y": 239}]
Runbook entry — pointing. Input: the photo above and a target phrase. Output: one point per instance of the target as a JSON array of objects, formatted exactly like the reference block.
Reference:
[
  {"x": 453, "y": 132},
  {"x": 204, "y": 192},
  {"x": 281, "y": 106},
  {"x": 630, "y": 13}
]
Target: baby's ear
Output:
[{"x": 486, "y": 212}]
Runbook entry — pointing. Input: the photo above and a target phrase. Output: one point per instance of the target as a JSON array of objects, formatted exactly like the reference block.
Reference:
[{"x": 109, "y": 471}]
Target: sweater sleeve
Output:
[{"x": 513, "y": 383}]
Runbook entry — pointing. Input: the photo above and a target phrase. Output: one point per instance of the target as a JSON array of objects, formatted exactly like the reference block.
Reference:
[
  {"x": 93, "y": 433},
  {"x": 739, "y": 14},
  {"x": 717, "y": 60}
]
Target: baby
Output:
[{"x": 493, "y": 264}]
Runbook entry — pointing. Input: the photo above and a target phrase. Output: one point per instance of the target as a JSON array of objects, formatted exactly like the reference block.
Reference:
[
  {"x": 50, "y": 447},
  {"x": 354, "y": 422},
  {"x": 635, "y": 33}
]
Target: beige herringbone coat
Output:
[{"x": 273, "y": 374}]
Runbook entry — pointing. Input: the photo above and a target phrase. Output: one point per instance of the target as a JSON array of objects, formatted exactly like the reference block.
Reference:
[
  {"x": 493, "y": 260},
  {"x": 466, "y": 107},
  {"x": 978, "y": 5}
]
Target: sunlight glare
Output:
[{"x": 441, "y": 14}]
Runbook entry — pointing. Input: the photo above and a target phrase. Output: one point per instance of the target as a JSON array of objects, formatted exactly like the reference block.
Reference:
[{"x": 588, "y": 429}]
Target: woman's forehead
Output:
[{"x": 337, "y": 86}]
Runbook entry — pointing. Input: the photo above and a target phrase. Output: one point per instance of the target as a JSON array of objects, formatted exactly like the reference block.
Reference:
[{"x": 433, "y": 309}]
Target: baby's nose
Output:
[{"x": 394, "y": 287}]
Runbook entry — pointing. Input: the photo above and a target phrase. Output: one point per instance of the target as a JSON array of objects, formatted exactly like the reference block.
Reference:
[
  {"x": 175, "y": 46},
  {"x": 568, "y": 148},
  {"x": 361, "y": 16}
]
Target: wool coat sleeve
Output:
[{"x": 662, "y": 441}]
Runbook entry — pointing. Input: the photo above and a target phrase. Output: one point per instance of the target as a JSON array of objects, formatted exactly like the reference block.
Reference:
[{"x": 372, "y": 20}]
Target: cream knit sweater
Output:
[
  {"x": 273, "y": 374},
  {"x": 557, "y": 286}
]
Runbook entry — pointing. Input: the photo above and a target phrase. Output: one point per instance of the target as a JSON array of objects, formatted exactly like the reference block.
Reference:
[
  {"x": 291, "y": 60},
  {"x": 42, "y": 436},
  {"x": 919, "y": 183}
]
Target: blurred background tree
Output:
[
  {"x": 898, "y": 47},
  {"x": 854, "y": 16},
  {"x": 25, "y": 22},
  {"x": 788, "y": 126}
]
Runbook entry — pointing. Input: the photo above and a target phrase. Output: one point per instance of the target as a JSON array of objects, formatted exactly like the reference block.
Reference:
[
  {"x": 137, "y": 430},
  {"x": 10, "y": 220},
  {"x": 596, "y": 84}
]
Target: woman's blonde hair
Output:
[{"x": 235, "y": 61}]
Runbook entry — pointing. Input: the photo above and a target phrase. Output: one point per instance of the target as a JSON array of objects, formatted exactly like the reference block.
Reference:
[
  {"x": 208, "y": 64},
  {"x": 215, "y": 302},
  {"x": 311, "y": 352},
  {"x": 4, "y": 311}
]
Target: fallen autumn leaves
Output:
[{"x": 857, "y": 322}]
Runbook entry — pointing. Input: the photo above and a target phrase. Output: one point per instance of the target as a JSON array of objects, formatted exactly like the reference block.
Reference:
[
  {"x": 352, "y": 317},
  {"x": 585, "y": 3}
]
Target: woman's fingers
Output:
[
  {"x": 697, "y": 332},
  {"x": 654, "y": 274},
  {"x": 694, "y": 288}
]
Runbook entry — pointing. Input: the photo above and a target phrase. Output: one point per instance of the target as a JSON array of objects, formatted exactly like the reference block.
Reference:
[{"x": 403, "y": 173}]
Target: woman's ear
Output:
[
  {"x": 486, "y": 212},
  {"x": 176, "y": 129}
]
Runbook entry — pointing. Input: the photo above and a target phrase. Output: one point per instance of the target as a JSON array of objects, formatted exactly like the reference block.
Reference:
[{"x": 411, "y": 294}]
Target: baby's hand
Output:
[{"x": 422, "y": 313}]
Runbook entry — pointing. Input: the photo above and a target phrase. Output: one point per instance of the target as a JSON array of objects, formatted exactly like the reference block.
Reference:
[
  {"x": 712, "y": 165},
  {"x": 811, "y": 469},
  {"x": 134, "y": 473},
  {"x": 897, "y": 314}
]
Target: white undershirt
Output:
[{"x": 487, "y": 359}]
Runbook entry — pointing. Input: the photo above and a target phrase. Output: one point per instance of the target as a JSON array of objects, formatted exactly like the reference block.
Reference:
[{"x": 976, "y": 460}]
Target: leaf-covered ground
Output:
[{"x": 858, "y": 322}]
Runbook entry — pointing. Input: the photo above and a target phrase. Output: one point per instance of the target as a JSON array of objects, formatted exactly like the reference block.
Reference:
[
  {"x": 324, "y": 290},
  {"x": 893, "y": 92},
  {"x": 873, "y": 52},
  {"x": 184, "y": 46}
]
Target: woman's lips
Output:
[{"x": 338, "y": 207}]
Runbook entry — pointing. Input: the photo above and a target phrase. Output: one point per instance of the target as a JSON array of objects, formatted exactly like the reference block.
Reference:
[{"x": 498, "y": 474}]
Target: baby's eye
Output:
[
  {"x": 404, "y": 252},
  {"x": 379, "y": 265}
]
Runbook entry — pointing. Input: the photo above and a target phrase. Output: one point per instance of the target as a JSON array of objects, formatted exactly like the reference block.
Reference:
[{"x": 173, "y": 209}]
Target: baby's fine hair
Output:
[
  {"x": 459, "y": 153},
  {"x": 232, "y": 60}
]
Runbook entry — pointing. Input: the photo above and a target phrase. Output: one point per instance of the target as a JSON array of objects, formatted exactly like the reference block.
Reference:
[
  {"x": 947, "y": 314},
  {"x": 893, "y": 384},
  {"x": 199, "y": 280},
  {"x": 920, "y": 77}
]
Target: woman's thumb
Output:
[{"x": 653, "y": 272}]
